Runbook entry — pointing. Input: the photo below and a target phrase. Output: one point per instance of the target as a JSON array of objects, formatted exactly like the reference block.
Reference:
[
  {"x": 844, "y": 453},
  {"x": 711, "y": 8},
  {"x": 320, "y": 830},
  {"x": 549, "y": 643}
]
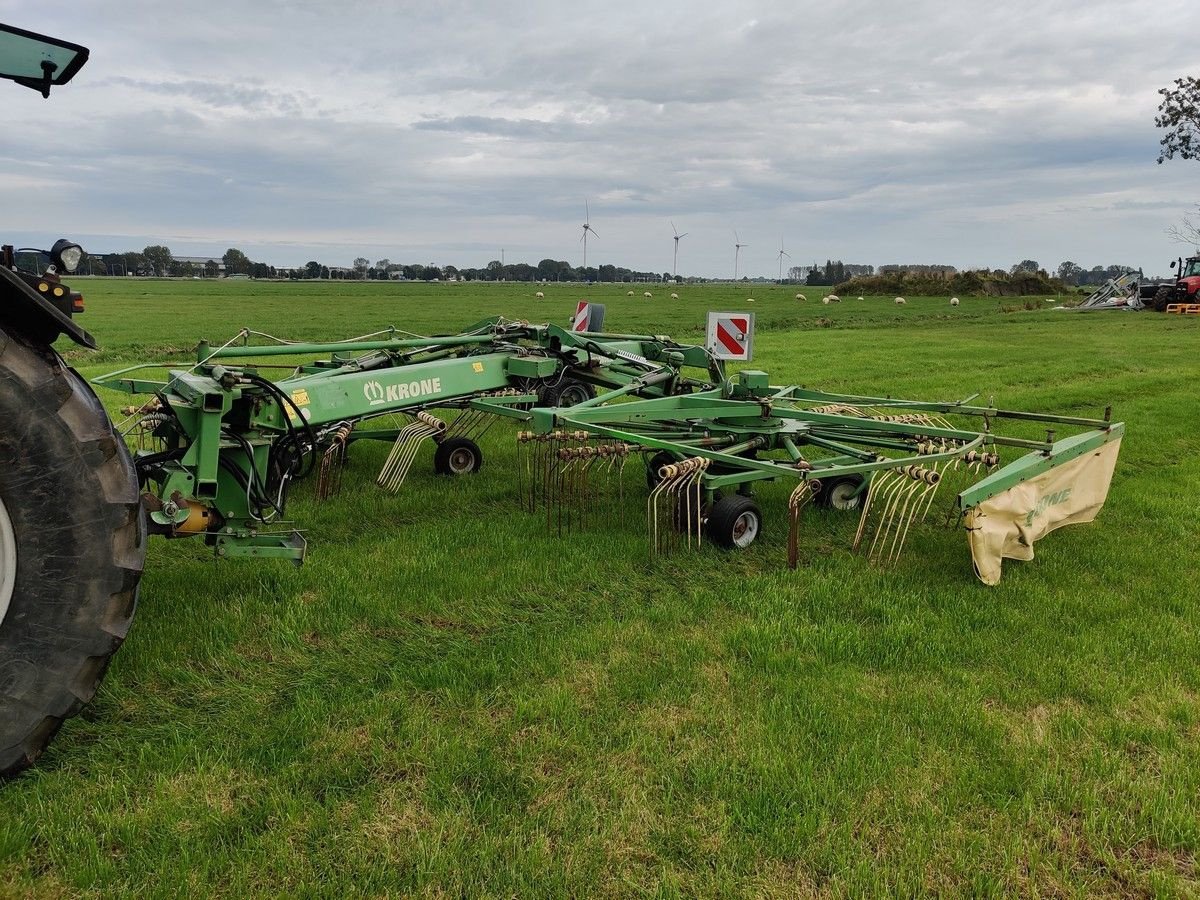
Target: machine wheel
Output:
[
  {"x": 734, "y": 522},
  {"x": 839, "y": 493},
  {"x": 1163, "y": 296},
  {"x": 566, "y": 392},
  {"x": 457, "y": 456},
  {"x": 72, "y": 546}
]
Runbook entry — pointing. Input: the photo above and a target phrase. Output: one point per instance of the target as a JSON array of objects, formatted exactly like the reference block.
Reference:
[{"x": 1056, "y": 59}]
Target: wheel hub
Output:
[
  {"x": 461, "y": 460},
  {"x": 8, "y": 560},
  {"x": 843, "y": 496},
  {"x": 745, "y": 529}
]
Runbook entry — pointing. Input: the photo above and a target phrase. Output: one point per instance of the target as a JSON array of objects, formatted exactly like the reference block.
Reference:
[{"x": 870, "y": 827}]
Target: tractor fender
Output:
[{"x": 24, "y": 311}]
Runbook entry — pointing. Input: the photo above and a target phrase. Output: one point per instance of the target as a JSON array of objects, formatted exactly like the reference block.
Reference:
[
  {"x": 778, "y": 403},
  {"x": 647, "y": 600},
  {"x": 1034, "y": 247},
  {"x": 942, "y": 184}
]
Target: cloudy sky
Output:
[{"x": 970, "y": 133}]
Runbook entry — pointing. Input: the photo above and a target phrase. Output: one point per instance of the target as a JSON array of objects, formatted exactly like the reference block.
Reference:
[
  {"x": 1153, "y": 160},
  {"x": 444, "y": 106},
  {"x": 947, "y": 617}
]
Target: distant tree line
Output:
[
  {"x": 918, "y": 278},
  {"x": 1024, "y": 278},
  {"x": 157, "y": 261}
]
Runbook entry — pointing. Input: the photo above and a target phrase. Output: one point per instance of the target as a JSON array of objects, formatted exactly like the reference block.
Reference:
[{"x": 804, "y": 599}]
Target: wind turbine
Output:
[
  {"x": 675, "y": 264},
  {"x": 782, "y": 254},
  {"x": 587, "y": 218},
  {"x": 737, "y": 249}
]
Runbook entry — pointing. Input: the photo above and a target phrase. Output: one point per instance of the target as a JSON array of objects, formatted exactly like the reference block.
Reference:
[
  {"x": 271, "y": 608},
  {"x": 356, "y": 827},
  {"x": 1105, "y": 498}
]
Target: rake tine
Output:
[
  {"x": 329, "y": 477},
  {"x": 872, "y": 488},
  {"x": 902, "y": 519},
  {"x": 394, "y": 460},
  {"x": 895, "y": 485},
  {"x": 892, "y": 515},
  {"x": 878, "y": 494},
  {"x": 938, "y": 470},
  {"x": 928, "y": 482},
  {"x": 520, "y": 453},
  {"x": 694, "y": 510},
  {"x": 404, "y": 451},
  {"x": 652, "y": 507},
  {"x": 800, "y": 498}
]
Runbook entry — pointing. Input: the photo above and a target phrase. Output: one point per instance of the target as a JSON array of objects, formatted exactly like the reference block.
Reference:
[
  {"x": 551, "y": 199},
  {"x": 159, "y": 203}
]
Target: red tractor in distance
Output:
[{"x": 1184, "y": 290}]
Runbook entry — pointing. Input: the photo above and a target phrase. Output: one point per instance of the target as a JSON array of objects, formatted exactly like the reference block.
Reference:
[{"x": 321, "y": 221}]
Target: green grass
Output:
[{"x": 449, "y": 700}]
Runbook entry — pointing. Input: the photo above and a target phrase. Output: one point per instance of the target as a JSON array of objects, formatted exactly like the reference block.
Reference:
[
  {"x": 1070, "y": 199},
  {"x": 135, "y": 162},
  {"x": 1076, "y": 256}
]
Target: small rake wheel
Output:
[
  {"x": 457, "y": 456},
  {"x": 734, "y": 522},
  {"x": 567, "y": 392},
  {"x": 841, "y": 493}
]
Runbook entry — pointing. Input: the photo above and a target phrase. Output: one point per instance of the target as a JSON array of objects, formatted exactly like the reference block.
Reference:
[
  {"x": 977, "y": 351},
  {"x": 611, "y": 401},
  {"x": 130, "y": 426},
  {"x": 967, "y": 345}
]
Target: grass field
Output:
[{"x": 448, "y": 700}]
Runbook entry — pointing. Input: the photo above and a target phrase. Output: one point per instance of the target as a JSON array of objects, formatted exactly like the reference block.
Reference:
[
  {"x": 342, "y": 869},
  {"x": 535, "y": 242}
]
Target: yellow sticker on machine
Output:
[
  {"x": 1007, "y": 525},
  {"x": 478, "y": 367},
  {"x": 300, "y": 397}
]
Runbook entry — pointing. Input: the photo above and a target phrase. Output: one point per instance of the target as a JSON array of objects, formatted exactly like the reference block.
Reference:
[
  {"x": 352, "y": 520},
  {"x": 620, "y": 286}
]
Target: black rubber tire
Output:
[
  {"x": 1162, "y": 297},
  {"x": 565, "y": 392},
  {"x": 457, "y": 456},
  {"x": 834, "y": 489},
  {"x": 70, "y": 490},
  {"x": 725, "y": 521},
  {"x": 656, "y": 462}
]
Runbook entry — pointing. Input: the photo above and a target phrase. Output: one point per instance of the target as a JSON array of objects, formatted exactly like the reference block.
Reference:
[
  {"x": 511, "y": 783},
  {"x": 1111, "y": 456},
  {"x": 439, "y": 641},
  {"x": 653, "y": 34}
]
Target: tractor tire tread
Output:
[{"x": 73, "y": 607}]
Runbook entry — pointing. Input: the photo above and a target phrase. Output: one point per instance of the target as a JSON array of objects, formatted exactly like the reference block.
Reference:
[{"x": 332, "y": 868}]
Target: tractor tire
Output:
[
  {"x": 565, "y": 392},
  {"x": 1162, "y": 297},
  {"x": 72, "y": 546},
  {"x": 734, "y": 522},
  {"x": 457, "y": 456}
]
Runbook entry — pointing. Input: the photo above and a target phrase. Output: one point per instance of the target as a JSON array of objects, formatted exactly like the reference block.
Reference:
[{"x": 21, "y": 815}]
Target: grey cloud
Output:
[{"x": 858, "y": 129}]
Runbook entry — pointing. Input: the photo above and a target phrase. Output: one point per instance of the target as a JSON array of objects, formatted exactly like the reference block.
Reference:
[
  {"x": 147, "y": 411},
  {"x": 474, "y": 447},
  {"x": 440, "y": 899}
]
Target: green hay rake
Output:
[{"x": 220, "y": 444}]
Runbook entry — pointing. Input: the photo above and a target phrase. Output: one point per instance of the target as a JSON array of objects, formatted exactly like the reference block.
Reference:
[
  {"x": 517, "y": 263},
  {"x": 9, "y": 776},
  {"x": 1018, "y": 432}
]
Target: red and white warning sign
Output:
[
  {"x": 588, "y": 317},
  {"x": 731, "y": 335}
]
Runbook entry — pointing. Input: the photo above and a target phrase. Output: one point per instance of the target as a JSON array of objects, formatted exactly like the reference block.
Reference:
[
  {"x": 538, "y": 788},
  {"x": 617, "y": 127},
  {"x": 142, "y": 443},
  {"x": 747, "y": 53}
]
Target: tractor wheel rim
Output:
[
  {"x": 843, "y": 497},
  {"x": 461, "y": 460},
  {"x": 745, "y": 529},
  {"x": 8, "y": 561}
]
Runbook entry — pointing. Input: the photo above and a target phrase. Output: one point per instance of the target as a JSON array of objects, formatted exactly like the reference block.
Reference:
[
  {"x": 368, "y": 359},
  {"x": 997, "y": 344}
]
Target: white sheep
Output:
[
  {"x": 860, "y": 298},
  {"x": 801, "y": 297},
  {"x": 629, "y": 293},
  {"x": 674, "y": 296},
  {"x": 540, "y": 295},
  {"x": 834, "y": 298},
  {"x": 647, "y": 295},
  {"x": 954, "y": 301},
  {"x": 900, "y": 301},
  {"x": 749, "y": 299},
  {"x": 826, "y": 300}
]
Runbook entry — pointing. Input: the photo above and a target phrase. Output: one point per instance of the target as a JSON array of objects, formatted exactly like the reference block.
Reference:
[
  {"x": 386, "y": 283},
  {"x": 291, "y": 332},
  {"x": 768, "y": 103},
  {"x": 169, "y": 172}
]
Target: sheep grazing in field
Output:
[
  {"x": 900, "y": 301},
  {"x": 749, "y": 299},
  {"x": 801, "y": 297},
  {"x": 647, "y": 295},
  {"x": 629, "y": 293},
  {"x": 860, "y": 298},
  {"x": 674, "y": 296},
  {"x": 826, "y": 300},
  {"x": 540, "y": 295},
  {"x": 834, "y": 298},
  {"x": 954, "y": 301}
]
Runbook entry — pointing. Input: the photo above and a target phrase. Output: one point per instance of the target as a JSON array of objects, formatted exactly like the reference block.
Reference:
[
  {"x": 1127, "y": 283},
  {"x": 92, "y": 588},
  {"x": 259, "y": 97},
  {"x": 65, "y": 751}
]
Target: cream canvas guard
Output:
[{"x": 1008, "y": 524}]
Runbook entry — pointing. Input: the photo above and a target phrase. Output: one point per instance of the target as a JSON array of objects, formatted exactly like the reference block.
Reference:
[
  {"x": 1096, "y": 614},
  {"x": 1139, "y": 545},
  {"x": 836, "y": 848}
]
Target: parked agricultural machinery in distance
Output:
[
  {"x": 1183, "y": 291},
  {"x": 1132, "y": 291},
  {"x": 218, "y": 446}
]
